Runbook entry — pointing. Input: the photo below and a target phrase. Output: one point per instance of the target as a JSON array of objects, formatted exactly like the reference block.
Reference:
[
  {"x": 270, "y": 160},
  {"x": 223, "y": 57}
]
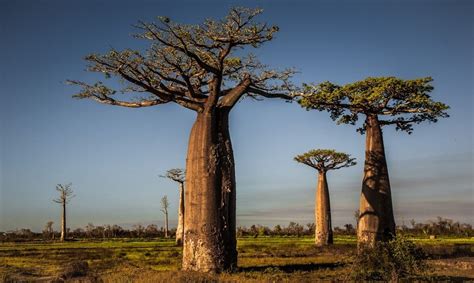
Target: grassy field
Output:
[{"x": 260, "y": 259}]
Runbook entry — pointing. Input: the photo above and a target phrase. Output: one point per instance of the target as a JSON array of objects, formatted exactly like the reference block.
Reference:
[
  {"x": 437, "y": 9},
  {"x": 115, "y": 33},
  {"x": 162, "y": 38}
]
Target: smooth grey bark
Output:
[
  {"x": 376, "y": 219},
  {"x": 63, "y": 222},
  {"x": 209, "y": 230},
  {"x": 323, "y": 231}
]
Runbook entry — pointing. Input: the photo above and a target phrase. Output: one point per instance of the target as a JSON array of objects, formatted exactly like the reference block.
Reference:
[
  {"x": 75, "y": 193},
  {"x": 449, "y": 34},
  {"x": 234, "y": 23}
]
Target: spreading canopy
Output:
[
  {"x": 399, "y": 102},
  {"x": 325, "y": 159},
  {"x": 175, "y": 174},
  {"x": 191, "y": 65}
]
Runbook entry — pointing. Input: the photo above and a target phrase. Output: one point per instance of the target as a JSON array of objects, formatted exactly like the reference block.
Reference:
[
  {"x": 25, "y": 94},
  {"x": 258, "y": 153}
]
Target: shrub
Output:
[
  {"x": 75, "y": 269},
  {"x": 388, "y": 261}
]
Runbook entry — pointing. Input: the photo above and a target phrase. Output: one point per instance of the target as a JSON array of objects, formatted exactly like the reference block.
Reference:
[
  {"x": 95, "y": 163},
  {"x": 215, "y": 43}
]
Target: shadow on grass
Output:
[
  {"x": 445, "y": 252},
  {"x": 289, "y": 268},
  {"x": 444, "y": 278}
]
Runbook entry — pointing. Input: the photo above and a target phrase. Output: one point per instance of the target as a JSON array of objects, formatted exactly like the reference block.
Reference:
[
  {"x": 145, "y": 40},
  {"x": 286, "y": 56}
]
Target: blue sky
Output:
[{"x": 113, "y": 156}]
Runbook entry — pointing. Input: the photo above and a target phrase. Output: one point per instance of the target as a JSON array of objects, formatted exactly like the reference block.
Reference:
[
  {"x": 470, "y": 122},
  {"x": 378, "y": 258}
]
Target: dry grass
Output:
[{"x": 260, "y": 260}]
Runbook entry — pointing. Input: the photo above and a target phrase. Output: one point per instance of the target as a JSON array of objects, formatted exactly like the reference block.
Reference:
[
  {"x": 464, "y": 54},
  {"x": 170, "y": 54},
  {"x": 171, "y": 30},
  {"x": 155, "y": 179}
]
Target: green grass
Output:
[{"x": 260, "y": 259}]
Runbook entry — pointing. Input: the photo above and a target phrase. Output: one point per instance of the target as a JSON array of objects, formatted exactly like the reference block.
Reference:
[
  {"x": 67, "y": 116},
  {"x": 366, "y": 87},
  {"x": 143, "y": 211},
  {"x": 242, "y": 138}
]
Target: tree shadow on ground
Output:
[
  {"x": 444, "y": 278},
  {"x": 448, "y": 252},
  {"x": 289, "y": 268}
]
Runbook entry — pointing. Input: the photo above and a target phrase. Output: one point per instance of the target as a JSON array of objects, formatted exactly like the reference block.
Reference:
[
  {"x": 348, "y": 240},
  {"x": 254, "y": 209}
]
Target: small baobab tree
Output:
[
  {"x": 48, "y": 231},
  {"x": 164, "y": 208},
  {"x": 382, "y": 101},
  {"x": 205, "y": 68},
  {"x": 65, "y": 195},
  {"x": 324, "y": 160},
  {"x": 178, "y": 175}
]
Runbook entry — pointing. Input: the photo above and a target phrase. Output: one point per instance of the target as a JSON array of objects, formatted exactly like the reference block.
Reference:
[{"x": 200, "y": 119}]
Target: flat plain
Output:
[{"x": 261, "y": 259}]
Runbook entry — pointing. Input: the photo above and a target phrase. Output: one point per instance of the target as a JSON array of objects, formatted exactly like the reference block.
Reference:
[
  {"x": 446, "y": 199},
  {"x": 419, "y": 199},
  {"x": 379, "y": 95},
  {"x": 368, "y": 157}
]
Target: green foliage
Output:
[
  {"x": 388, "y": 261},
  {"x": 403, "y": 102},
  {"x": 325, "y": 159}
]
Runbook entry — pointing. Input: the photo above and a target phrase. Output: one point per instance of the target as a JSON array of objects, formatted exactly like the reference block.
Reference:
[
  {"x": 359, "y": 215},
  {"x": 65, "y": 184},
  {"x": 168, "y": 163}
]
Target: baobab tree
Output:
[
  {"x": 203, "y": 68},
  {"x": 324, "y": 160},
  {"x": 164, "y": 208},
  {"x": 383, "y": 101},
  {"x": 48, "y": 230},
  {"x": 178, "y": 175},
  {"x": 65, "y": 195}
]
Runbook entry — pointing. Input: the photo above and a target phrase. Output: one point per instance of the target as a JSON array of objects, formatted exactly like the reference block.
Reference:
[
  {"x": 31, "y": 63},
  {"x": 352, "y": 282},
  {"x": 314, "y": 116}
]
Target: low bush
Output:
[
  {"x": 388, "y": 261},
  {"x": 75, "y": 269}
]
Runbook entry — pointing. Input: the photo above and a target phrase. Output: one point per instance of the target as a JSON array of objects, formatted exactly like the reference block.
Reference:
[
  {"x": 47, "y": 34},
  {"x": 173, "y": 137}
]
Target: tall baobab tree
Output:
[
  {"x": 164, "y": 208},
  {"x": 382, "y": 101},
  {"x": 65, "y": 195},
  {"x": 324, "y": 160},
  {"x": 178, "y": 175},
  {"x": 203, "y": 68}
]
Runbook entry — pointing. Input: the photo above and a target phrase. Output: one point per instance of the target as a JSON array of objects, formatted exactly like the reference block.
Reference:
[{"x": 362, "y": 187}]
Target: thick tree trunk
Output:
[
  {"x": 376, "y": 220},
  {"x": 63, "y": 222},
  {"x": 180, "y": 228},
  {"x": 209, "y": 230},
  {"x": 323, "y": 232}
]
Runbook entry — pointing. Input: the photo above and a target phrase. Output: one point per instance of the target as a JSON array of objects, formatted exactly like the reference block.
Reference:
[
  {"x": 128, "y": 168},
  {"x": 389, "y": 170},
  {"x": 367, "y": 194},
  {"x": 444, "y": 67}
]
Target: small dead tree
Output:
[
  {"x": 178, "y": 175},
  {"x": 324, "y": 160},
  {"x": 164, "y": 208},
  {"x": 65, "y": 195}
]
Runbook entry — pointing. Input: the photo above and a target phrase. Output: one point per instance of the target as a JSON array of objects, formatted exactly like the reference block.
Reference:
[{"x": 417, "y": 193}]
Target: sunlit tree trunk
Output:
[
  {"x": 209, "y": 230},
  {"x": 180, "y": 228},
  {"x": 323, "y": 232},
  {"x": 376, "y": 220},
  {"x": 63, "y": 223}
]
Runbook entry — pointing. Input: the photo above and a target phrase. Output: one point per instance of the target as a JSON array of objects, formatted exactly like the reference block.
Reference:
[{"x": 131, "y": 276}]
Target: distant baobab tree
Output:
[
  {"x": 164, "y": 208},
  {"x": 48, "y": 230},
  {"x": 65, "y": 195},
  {"x": 205, "y": 68},
  {"x": 382, "y": 101},
  {"x": 178, "y": 175},
  {"x": 324, "y": 160}
]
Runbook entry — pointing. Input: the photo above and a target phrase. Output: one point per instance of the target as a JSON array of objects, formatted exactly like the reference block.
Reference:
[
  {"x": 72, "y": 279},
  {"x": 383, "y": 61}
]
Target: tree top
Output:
[
  {"x": 191, "y": 65},
  {"x": 175, "y": 174},
  {"x": 395, "y": 101},
  {"x": 65, "y": 193},
  {"x": 325, "y": 159}
]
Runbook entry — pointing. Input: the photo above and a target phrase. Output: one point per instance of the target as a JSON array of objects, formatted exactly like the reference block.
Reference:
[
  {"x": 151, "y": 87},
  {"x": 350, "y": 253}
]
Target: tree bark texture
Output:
[
  {"x": 323, "y": 232},
  {"x": 180, "y": 228},
  {"x": 210, "y": 199},
  {"x": 63, "y": 222},
  {"x": 376, "y": 220}
]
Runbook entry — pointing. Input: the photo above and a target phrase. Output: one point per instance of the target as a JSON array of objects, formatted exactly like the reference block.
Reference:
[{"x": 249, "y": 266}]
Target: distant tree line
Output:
[
  {"x": 293, "y": 229},
  {"x": 439, "y": 227},
  {"x": 90, "y": 231}
]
